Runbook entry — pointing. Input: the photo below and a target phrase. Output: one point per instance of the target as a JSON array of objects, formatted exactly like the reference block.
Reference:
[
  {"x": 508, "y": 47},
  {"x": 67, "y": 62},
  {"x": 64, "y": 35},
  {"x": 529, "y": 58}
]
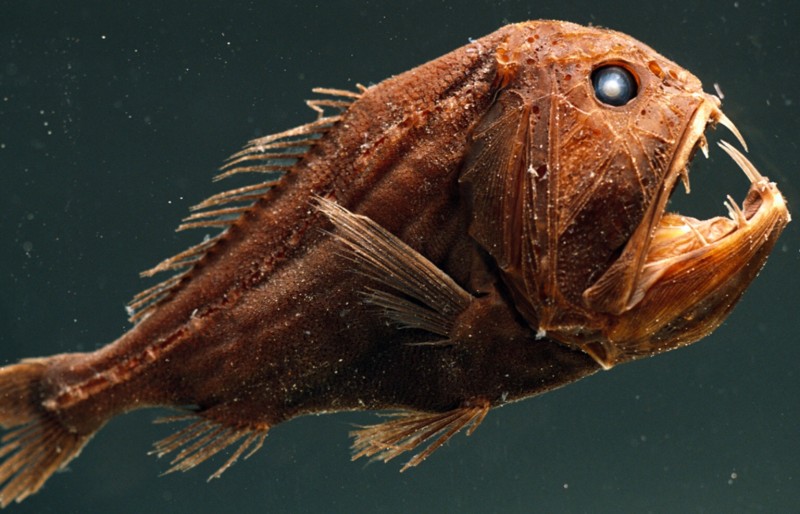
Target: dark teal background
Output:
[{"x": 114, "y": 116}]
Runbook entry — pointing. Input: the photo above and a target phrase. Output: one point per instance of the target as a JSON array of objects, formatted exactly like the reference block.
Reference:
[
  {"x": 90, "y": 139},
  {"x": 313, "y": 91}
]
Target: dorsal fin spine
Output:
[{"x": 274, "y": 154}]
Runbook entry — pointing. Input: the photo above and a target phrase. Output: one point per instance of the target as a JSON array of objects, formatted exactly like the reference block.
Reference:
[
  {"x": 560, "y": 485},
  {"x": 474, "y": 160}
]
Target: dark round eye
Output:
[{"x": 614, "y": 85}]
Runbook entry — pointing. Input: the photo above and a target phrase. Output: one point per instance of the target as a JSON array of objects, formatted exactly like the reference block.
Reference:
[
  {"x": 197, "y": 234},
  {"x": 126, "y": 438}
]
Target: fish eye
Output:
[{"x": 614, "y": 85}]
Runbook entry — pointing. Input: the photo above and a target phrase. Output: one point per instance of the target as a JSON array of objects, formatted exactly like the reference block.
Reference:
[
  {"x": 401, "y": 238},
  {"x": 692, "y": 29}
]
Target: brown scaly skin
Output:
[{"x": 499, "y": 167}]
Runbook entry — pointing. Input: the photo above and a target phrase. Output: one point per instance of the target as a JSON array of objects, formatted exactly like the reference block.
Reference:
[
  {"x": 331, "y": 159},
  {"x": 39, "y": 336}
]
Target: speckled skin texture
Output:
[
  {"x": 271, "y": 324},
  {"x": 496, "y": 164}
]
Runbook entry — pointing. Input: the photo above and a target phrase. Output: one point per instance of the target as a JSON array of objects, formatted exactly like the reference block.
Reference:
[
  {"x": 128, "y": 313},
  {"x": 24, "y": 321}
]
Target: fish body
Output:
[{"x": 480, "y": 229}]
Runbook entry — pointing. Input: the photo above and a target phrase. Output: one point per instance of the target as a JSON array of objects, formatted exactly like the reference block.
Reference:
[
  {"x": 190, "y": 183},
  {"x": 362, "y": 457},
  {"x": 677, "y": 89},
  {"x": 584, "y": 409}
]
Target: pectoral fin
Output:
[{"x": 418, "y": 294}]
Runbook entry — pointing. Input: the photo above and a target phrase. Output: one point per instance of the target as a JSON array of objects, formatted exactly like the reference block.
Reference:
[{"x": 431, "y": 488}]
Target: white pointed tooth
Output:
[
  {"x": 703, "y": 144},
  {"x": 727, "y": 123},
  {"x": 735, "y": 212},
  {"x": 685, "y": 179},
  {"x": 739, "y": 158}
]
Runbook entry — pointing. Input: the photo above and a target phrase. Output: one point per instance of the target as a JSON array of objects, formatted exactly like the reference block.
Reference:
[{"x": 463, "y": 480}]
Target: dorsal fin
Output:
[{"x": 274, "y": 155}]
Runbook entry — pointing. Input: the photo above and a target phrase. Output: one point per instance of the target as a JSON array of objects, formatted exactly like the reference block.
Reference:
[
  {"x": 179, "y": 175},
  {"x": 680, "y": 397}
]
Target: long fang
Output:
[
  {"x": 727, "y": 123},
  {"x": 746, "y": 166}
]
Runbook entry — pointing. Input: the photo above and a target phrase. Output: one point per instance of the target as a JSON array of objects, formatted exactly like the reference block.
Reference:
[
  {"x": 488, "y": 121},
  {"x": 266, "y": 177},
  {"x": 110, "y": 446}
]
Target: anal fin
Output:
[
  {"x": 202, "y": 439},
  {"x": 410, "y": 430}
]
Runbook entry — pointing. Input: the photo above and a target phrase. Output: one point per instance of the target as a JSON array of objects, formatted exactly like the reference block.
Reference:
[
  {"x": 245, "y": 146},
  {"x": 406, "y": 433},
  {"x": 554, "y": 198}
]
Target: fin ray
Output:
[
  {"x": 239, "y": 194},
  {"x": 272, "y": 154},
  {"x": 408, "y": 314},
  {"x": 355, "y": 95},
  {"x": 410, "y": 430},
  {"x": 203, "y": 439},
  {"x": 260, "y": 168},
  {"x": 36, "y": 444},
  {"x": 433, "y": 298},
  {"x": 225, "y": 211}
]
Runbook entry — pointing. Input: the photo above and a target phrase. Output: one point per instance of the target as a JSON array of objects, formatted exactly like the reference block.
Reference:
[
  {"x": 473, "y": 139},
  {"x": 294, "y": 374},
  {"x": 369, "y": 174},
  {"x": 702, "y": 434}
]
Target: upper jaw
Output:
[
  {"x": 678, "y": 277},
  {"x": 619, "y": 288}
]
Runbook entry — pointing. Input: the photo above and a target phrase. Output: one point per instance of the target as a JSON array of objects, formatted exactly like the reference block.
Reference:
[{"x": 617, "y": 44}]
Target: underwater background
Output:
[{"x": 115, "y": 115}]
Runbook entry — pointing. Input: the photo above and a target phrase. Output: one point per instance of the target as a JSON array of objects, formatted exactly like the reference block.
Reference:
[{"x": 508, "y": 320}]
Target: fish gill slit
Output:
[{"x": 275, "y": 155}]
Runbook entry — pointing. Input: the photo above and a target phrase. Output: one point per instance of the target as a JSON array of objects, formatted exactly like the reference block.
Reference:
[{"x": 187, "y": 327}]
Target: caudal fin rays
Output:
[{"x": 36, "y": 444}]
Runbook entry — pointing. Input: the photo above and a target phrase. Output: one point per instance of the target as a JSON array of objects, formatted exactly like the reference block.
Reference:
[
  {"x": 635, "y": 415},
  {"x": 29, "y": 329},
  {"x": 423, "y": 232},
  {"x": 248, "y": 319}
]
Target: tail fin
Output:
[{"x": 36, "y": 444}]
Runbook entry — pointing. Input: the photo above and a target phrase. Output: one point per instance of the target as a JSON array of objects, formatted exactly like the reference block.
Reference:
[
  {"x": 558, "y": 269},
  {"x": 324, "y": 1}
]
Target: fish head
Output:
[{"x": 598, "y": 130}]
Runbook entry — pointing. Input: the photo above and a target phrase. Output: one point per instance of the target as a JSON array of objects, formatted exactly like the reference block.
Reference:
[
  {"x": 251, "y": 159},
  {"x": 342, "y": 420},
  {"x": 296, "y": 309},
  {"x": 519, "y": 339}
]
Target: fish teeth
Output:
[
  {"x": 699, "y": 235},
  {"x": 735, "y": 212},
  {"x": 742, "y": 161},
  {"x": 727, "y": 123},
  {"x": 685, "y": 179},
  {"x": 703, "y": 144}
]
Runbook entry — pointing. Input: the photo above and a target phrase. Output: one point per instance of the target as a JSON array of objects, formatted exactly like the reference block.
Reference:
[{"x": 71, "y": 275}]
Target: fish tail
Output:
[{"x": 35, "y": 443}]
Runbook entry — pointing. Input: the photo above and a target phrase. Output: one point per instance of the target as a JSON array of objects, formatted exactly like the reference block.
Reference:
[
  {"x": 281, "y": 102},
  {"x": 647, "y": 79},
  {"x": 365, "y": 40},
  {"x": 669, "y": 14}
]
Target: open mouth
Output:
[
  {"x": 678, "y": 277},
  {"x": 676, "y": 239}
]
